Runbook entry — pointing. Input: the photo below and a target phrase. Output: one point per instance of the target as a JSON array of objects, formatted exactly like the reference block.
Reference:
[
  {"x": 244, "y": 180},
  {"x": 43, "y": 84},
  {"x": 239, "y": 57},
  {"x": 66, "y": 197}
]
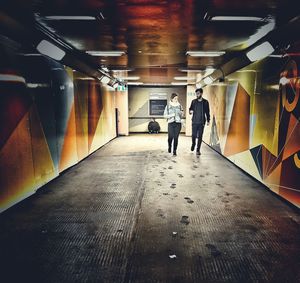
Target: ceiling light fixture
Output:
[
  {"x": 122, "y": 70},
  {"x": 208, "y": 80},
  {"x": 259, "y": 52},
  {"x": 105, "y": 80},
  {"x": 191, "y": 70},
  {"x": 129, "y": 78},
  {"x": 237, "y": 18},
  {"x": 178, "y": 83},
  {"x": 49, "y": 49},
  {"x": 182, "y": 78},
  {"x": 205, "y": 53},
  {"x": 72, "y": 18},
  {"x": 135, "y": 83},
  {"x": 106, "y": 53}
]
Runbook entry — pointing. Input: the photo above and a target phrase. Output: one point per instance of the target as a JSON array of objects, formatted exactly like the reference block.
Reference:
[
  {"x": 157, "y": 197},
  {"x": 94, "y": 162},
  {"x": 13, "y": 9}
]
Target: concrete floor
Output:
[{"x": 133, "y": 213}]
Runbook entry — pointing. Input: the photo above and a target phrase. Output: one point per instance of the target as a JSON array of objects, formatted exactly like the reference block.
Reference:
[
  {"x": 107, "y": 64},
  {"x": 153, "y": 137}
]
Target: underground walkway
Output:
[{"x": 133, "y": 213}]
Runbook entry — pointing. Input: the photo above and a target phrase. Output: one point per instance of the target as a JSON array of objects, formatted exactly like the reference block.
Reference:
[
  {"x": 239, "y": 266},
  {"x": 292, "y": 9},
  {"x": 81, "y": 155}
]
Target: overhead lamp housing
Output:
[
  {"x": 129, "y": 78},
  {"x": 178, "y": 83},
  {"x": 105, "y": 80},
  {"x": 106, "y": 53},
  {"x": 135, "y": 83},
  {"x": 261, "y": 51},
  {"x": 205, "y": 53},
  {"x": 208, "y": 80},
  {"x": 72, "y": 18},
  {"x": 237, "y": 18},
  {"x": 47, "y": 48}
]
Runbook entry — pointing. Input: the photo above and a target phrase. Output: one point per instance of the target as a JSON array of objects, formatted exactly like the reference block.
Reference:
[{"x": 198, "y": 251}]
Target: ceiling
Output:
[{"x": 155, "y": 35}]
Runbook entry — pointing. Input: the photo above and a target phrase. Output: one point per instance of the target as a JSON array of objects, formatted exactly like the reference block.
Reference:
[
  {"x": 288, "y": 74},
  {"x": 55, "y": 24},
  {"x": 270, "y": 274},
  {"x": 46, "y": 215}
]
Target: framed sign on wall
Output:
[{"x": 157, "y": 103}]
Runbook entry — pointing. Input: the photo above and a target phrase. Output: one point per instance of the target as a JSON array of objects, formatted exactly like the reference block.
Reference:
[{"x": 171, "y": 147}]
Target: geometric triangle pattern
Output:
[
  {"x": 238, "y": 132},
  {"x": 43, "y": 136},
  {"x": 214, "y": 138},
  {"x": 95, "y": 107},
  {"x": 256, "y": 153}
]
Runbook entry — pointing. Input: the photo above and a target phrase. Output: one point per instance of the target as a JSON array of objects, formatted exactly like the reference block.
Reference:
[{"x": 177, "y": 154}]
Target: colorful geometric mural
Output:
[
  {"x": 50, "y": 119},
  {"x": 258, "y": 127}
]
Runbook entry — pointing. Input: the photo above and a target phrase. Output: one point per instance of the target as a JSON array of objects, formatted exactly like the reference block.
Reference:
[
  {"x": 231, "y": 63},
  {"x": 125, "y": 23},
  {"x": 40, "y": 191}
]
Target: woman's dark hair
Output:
[{"x": 173, "y": 95}]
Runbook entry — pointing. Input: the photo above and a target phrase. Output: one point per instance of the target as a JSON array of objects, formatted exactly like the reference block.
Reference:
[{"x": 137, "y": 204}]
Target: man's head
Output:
[{"x": 199, "y": 92}]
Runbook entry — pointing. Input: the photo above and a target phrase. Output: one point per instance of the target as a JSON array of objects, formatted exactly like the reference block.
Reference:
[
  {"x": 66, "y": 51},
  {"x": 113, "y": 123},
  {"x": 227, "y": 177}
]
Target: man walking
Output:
[{"x": 200, "y": 110}]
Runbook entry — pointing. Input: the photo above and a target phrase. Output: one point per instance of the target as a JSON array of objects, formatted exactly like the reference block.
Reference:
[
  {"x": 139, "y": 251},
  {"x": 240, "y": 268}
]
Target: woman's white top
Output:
[{"x": 173, "y": 112}]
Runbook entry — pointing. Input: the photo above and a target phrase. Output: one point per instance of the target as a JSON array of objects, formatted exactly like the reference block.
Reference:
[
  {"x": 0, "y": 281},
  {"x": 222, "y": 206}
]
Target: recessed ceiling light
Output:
[
  {"x": 191, "y": 70},
  {"x": 178, "y": 83},
  {"x": 134, "y": 83},
  {"x": 72, "y": 18},
  {"x": 237, "y": 18},
  {"x": 129, "y": 78},
  {"x": 205, "y": 53},
  {"x": 106, "y": 53},
  {"x": 122, "y": 70},
  {"x": 182, "y": 78}
]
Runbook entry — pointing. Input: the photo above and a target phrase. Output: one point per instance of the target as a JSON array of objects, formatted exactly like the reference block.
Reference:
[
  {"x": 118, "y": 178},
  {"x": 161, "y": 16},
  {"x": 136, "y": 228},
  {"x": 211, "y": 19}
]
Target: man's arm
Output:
[
  {"x": 191, "y": 109},
  {"x": 207, "y": 113}
]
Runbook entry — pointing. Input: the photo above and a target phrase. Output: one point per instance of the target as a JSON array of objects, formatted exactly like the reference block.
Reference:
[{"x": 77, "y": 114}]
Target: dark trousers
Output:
[
  {"x": 197, "y": 132},
  {"x": 173, "y": 134}
]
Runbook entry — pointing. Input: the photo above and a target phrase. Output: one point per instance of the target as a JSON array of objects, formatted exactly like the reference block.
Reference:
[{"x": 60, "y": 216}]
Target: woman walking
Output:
[{"x": 173, "y": 113}]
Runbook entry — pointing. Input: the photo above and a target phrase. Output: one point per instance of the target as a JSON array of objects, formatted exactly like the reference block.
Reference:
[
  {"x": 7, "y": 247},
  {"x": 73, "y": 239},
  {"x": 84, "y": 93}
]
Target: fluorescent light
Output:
[
  {"x": 261, "y": 51},
  {"x": 182, "y": 78},
  {"x": 135, "y": 83},
  {"x": 105, "y": 80},
  {"x": 106, "y": 53},
  {"x": 105, "y": 69},
  {"x": 81, "y": 18},
  {"x": 11, "y": 78},
  {"x": 31, "y": 85},
  {"x": 129, "y": 78},
  {"x": 208, "y": 80},
  {"x": 205, "y": 53},
  {"x": 236, "y": 18},
  {"x": 191, "y": 70},
  {"x": 30, "y": 54},
  {"x": 122, "y": 70},
  {"x": 178, "y": 83},
  {"x": 49, "y": 49}
]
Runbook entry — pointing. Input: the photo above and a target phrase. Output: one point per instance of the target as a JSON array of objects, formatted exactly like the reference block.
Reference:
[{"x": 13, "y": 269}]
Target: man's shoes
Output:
[
  {"x": 174, "y": 153},
  {"x": 198, "y": 152},
  {"x": 169, "y": 149},
  {"x": 193, "y": 147}
]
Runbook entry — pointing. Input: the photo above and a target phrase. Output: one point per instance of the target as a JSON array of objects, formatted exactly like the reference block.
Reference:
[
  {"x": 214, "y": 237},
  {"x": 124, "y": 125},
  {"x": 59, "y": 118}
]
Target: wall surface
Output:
[
  {"x": 50, "y": 119},
  {"x": 255, "y": 123},
  {"x": 138, "y": 103}
]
